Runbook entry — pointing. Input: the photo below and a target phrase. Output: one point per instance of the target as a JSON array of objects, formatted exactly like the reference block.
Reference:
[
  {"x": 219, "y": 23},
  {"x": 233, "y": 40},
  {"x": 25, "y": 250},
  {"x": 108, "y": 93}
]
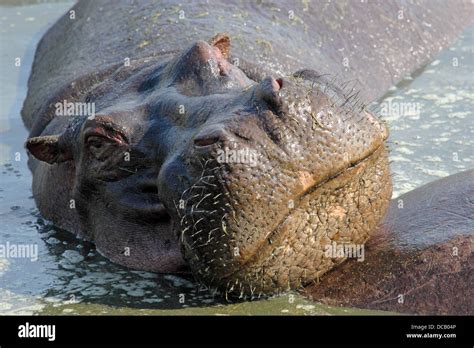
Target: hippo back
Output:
[{"x": 375, "y": 44}]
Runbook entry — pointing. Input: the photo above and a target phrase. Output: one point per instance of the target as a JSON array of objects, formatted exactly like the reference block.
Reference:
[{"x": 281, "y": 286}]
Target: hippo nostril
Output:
[
  {"x": 280, "y": 82},
  {"x": 206, "y": 141},
  {"x": 269, "y": 88}
]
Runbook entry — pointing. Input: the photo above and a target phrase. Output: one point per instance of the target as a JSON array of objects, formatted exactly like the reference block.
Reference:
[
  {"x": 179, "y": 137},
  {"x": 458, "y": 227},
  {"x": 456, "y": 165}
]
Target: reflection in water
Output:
[{"x": 70, "y": 277}]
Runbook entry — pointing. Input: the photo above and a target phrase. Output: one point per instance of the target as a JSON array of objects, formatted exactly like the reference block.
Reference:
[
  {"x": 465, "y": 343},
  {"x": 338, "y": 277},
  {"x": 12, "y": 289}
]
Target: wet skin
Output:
[{"x": 144, "y": 179}]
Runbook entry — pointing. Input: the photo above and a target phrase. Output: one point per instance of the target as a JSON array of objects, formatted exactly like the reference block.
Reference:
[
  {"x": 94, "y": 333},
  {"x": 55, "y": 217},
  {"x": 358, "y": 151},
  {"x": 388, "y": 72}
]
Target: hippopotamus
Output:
[{"x": 232, "y": 140}]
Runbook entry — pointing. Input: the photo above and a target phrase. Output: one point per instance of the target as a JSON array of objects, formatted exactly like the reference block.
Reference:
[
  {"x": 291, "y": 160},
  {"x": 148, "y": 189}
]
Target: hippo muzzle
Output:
[{"x": 273, "y": 179}]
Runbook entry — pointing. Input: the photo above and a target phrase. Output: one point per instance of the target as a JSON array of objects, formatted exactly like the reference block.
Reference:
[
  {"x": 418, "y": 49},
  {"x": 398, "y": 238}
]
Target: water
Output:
[
  {"x": 433, "y": 138},
  {"x": 431, "y": 121}
]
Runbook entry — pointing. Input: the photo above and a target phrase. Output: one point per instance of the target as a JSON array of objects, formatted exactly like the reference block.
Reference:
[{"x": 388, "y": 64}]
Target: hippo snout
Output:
[{"x": 275, "y": 177}]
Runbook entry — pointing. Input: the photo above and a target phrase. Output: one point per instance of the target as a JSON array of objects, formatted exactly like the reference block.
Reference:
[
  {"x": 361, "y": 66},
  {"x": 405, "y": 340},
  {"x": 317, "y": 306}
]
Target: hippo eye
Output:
[
  {"x": 99, "y": 146},
  {"x": 94, "y": 141}
]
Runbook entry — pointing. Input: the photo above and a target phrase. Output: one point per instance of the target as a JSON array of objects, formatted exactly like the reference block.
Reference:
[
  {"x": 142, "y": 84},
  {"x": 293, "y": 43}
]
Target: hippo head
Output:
[{"x": 190, "y": 162}]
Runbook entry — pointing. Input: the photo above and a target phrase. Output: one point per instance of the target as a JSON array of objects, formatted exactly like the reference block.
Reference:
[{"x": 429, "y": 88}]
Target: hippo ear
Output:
[
  {"x": 222, "y": 42},
  {"x": 48, "y": 149}
]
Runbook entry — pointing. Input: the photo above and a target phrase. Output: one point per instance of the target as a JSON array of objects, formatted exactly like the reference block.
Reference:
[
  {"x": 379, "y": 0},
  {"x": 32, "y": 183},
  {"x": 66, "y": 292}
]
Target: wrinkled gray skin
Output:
[{"x": 143, "y": 179}]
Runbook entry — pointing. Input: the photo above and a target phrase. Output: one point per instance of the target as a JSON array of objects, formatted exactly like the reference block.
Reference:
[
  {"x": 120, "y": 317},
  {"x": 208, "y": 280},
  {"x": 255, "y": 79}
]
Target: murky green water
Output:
[{"x": 432, "y": 139}]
